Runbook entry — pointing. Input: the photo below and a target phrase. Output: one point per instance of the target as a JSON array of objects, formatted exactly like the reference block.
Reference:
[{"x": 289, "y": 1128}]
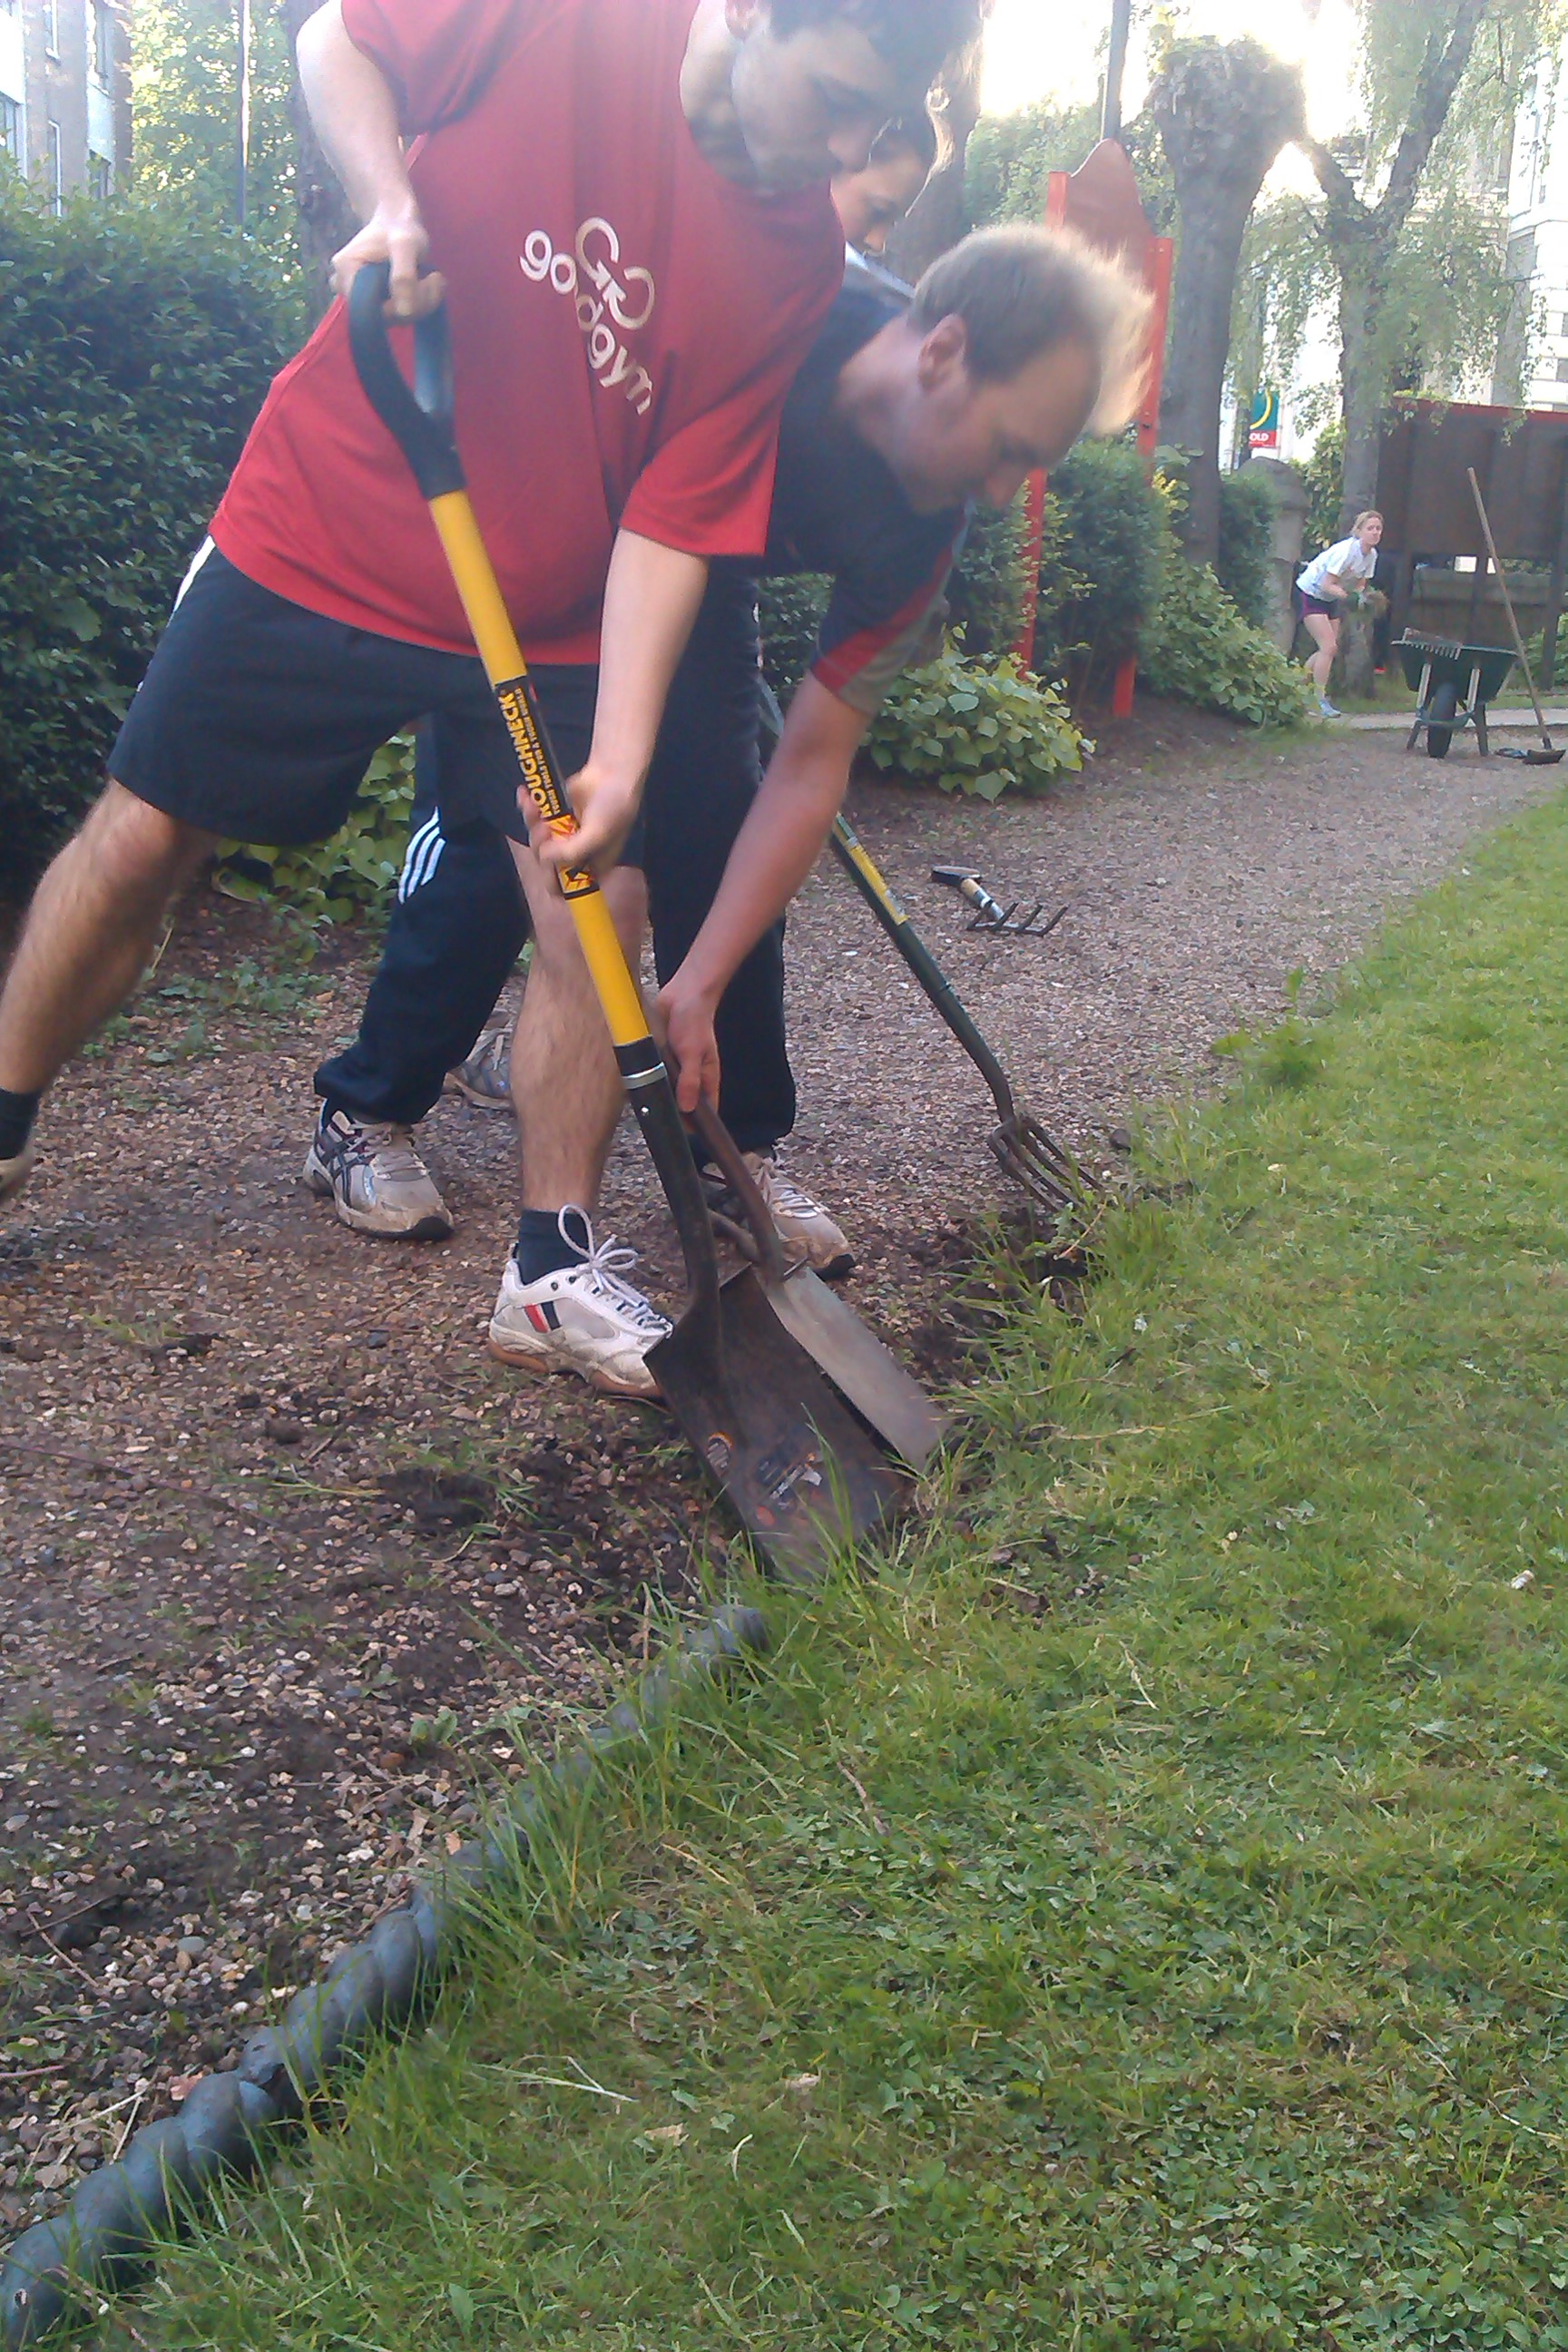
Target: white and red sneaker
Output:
[{"x": 581, "y": 1318}]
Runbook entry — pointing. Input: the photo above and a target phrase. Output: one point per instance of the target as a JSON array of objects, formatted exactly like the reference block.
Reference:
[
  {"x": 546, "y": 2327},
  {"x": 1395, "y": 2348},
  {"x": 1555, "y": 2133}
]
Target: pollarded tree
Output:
[
  {"x": 1224, "y": 109},
  {"x": 1412, "y": 217}
]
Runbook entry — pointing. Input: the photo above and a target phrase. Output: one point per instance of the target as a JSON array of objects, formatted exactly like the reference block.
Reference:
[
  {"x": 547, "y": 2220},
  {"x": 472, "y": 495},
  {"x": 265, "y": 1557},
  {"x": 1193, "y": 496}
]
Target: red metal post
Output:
[
  {"x": 1035, "y": 487},
  {"x": 1160, "y": 252}
]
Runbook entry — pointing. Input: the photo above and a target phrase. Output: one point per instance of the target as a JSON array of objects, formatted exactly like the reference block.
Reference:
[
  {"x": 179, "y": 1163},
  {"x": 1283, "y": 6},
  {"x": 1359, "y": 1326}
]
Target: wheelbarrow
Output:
[{"x": 1452, "y": 685}]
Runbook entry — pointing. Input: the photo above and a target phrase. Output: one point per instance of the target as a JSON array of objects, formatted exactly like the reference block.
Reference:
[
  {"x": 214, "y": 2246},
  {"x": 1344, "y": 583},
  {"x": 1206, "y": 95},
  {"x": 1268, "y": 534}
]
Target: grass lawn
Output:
[{"x": 1135, "y": 1917}]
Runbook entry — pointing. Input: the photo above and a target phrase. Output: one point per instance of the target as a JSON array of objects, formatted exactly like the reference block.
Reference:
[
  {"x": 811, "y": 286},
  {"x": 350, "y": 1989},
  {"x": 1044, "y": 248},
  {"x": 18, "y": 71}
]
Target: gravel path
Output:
[{"x": 267, "y": 1510}]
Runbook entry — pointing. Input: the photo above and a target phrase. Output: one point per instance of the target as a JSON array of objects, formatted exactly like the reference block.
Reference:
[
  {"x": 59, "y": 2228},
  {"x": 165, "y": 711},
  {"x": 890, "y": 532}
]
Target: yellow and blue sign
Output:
[{"x": 1263, "y": 425}]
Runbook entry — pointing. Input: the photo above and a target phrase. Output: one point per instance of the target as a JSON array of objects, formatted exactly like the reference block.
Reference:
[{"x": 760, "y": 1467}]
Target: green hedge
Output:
[
  {"x": 1245, "y": 543},
  {"x": 1108, "y": 549},
  {"x": 134, "y": 351},
  {"x": 1198, "y": 648}
]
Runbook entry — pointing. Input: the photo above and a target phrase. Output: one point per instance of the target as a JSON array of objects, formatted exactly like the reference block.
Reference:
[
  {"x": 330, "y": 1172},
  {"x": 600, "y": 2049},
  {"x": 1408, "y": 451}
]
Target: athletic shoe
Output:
[
  {"x": 485, "y": 1079},
  {"x": 13, "y": 1173},
  {"x": 581, "y": 1318},
  {"x": 376, "y": 1180},
  {"x": 802, "y": 1224},
  {"x": 1327, "y": 708}
]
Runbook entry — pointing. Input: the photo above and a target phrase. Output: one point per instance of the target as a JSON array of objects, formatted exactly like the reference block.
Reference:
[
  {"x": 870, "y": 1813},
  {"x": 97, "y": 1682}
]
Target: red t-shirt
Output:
[{"x": 626, "y": 323}]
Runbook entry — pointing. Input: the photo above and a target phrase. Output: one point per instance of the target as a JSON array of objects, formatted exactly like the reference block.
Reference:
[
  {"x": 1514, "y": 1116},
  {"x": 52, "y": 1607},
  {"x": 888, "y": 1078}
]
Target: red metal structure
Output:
[{"x": 1100, "y": 201}]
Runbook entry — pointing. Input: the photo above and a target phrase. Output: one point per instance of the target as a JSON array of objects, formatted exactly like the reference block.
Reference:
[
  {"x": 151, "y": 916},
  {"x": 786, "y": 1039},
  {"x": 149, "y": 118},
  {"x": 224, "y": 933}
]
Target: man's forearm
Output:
[{"x": 651, "y": 596}]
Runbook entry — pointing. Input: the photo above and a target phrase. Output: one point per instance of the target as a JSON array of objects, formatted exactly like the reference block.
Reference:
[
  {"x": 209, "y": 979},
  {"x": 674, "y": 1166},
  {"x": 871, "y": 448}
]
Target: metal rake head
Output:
[
  {"x": 1047, "y": 1171},
  {"x": 989, "y": 913}
]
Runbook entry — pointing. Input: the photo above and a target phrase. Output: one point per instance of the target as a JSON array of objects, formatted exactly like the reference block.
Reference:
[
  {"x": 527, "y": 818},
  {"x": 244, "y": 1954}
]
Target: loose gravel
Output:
[{"x": 291, "y": 1569}]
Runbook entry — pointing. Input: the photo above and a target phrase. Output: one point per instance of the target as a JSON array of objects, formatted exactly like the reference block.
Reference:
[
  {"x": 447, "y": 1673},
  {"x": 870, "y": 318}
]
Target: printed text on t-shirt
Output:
[{"x": 608, "y": 294}]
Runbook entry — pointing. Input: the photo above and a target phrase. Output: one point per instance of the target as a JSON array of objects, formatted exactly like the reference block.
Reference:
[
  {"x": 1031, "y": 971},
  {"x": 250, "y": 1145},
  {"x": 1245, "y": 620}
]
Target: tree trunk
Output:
[
  {"x": 1363, "y": 283},
  {"x": 326, "y": 217},
  {"x": 1224, "y": 109},
  {"x": 1362, "y": 237},
  {"x": 939, "y": 213}
]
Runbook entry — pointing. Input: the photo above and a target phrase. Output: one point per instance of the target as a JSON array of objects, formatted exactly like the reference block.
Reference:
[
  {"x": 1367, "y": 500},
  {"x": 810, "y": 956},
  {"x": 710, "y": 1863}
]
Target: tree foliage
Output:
[
  {"x": 187, "y": 91},
  {"x": 1411, "y": 210}
]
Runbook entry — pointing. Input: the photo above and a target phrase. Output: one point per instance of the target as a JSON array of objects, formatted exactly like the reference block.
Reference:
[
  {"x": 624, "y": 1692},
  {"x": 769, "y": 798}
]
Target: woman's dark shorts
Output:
[
  {"x": 1332, "y": 608},
  {"x": 257, "y": 720}
]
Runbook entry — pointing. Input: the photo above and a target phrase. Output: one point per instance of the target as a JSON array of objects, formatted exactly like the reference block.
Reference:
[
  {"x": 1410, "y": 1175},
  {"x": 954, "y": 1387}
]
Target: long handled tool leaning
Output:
[
  {"x": 1047, "y": 1171},
  {"x": 797, "y": 1467},
  {"x": 1549, "y": 753}
]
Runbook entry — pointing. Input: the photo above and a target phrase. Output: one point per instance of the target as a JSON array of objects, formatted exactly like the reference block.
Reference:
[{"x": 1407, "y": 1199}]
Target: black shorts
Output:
[
  {"x": 257, "y": 720},
  {"x": 1331, "y": 607}
]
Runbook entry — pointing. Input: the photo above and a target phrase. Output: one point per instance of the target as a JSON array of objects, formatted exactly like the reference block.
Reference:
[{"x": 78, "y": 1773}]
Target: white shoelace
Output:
[{"x": 600, "y": 1260}]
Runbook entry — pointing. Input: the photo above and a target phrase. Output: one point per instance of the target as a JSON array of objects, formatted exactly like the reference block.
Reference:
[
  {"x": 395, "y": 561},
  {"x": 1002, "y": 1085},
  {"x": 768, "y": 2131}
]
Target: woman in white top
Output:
[{"x": 1322, "y": 589}]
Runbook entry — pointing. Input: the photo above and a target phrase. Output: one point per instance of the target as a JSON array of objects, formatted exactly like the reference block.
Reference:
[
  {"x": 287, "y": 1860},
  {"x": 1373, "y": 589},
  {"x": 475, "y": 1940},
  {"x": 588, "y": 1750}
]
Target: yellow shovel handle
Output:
[{"x": 508, "y": 673}]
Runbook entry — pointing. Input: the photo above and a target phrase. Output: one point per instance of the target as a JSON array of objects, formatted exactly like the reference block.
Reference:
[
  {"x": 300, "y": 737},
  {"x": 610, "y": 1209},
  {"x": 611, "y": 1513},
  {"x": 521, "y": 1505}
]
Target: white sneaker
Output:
[
  {"x": 581, "y": 1318},
  {"x": 802, "y": 1224},
  {"x": 376, "y": 1180},
  {"x": 13, "y": 1173}
]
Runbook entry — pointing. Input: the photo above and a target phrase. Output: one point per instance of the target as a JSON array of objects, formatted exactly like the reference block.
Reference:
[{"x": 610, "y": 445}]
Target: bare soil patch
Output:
[{"x": 289, "y": 1564}]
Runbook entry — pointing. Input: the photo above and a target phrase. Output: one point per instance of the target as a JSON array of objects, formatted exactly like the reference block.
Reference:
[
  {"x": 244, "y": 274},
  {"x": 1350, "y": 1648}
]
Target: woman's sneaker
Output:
[
  {"x": 485, "y": 1079},
  {"x": 376, "y": 1180},
  {"x": 802, "y": 1224},
  {"x": 1327, "y": 709},
  {"x": 581, "y": 1318}
]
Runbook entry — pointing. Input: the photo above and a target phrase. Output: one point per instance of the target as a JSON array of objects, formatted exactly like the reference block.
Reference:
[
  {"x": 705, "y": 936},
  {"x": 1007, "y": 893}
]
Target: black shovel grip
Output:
[{"x": 419, "y": 419}]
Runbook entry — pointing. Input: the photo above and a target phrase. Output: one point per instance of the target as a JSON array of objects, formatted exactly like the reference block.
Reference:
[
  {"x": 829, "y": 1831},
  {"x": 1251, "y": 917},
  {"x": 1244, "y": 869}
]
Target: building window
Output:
[
  {"x": 54, "y": 170},
  {"x": 52, "y": 28},
  {"x": 11, "y": 127},
  {"x": 100, "y": 177},
  {"x": 103, "y": 44}
]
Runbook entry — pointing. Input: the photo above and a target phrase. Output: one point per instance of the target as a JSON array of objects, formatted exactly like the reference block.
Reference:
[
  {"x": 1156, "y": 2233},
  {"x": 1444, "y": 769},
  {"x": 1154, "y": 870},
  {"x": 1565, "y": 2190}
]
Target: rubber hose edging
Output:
[{"x": 104, "y": 2240}]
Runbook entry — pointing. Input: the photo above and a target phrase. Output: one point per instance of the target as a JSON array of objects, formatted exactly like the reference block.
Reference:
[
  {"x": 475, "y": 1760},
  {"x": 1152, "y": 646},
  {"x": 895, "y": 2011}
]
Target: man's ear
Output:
[{"x": 943, "y": 353}]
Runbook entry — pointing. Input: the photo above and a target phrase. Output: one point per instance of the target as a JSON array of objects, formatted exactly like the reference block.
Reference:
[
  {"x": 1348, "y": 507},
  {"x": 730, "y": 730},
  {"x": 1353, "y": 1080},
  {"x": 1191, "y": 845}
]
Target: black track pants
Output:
[{"x": 460, "y": 919}]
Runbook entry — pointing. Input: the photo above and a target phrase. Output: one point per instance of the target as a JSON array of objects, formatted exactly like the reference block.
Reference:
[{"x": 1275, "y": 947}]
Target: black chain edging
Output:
[{"x": 104, "y": 2239}]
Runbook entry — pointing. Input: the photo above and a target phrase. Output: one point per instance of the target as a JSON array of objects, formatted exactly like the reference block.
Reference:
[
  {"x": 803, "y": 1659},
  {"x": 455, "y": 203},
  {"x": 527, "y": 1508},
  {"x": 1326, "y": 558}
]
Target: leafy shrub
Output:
[
  {"x": 986, "y": 594},
  {"x": 351, "y": 874},
  {"x": 134, "y": 351},
  {"x": 1324, "y": 475},
  {"x": 1247, "y": 544},
  {"x": 1107, "y": 547},
  {"x": 977, "y": 729},
  {"x": 1199, "y": 649},
  {"x": 791, "y": 611}
]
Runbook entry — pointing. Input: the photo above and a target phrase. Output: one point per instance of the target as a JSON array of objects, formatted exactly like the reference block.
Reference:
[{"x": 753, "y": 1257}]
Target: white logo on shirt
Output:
[{"x": 608, "y": 295}]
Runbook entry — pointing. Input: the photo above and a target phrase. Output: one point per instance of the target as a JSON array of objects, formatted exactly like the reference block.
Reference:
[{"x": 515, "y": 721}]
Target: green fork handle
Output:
[{"x": 858, "y": 864}]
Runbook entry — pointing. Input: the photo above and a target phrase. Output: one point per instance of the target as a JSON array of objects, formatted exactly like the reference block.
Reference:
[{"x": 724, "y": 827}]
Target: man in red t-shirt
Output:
[{"x": 627, "y": 202}]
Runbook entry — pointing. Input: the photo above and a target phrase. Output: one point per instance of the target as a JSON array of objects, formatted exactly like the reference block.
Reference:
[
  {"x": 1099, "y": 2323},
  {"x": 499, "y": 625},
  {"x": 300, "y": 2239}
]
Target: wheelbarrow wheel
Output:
[{"x": 1443, "y": 706}]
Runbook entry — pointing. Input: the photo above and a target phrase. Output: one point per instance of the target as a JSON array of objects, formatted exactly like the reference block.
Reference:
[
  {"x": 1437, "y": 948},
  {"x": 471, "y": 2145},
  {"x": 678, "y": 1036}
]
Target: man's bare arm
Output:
[
  {"x": 354, "y": 112},
  {"x": 777, "y": 847},
  {"x": 651, "y": 596}
]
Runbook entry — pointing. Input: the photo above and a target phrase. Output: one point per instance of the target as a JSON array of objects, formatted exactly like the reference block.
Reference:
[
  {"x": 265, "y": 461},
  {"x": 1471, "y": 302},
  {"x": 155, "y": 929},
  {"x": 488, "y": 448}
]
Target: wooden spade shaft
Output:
[{"x": 1508, "y": 606}]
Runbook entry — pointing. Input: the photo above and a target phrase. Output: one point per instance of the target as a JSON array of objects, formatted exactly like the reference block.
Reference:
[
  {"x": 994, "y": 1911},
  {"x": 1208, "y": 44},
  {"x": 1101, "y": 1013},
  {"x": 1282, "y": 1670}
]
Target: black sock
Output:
[
  {"x": 17, "y": 1113},
  {"x": 542, "y": 1248}
]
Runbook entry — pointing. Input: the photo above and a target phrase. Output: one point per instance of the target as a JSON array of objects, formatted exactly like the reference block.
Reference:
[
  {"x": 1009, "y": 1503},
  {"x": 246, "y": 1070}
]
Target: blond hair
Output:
[
  {"x": 1021, "y": 291},
  {"x": 1368, "y": 514}
]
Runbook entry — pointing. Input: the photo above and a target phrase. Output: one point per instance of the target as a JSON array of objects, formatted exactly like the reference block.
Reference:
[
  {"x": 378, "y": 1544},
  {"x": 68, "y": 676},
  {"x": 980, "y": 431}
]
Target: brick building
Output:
[{"x": 64, "y": 93}]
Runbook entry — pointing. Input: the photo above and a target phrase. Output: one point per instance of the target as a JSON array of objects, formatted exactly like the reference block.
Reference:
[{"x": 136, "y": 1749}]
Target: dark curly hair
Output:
[{"x": 912, "y": 34}]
